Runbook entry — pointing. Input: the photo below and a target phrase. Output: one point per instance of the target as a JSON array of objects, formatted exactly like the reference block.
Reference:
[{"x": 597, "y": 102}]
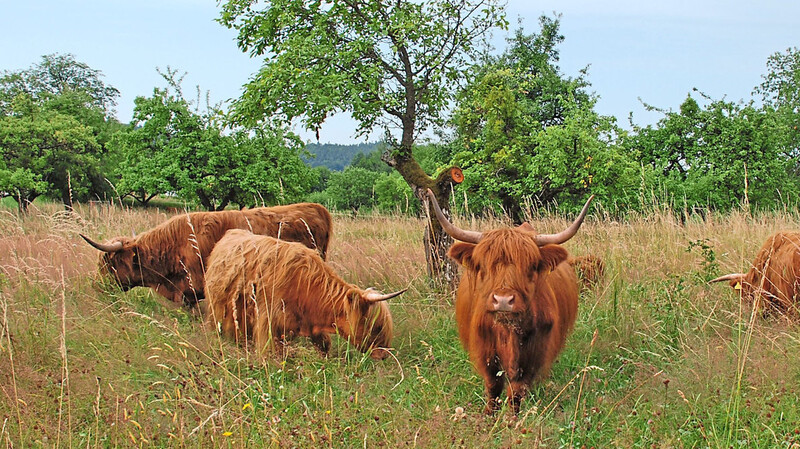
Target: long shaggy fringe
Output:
[{"x": 262, "y": 289}]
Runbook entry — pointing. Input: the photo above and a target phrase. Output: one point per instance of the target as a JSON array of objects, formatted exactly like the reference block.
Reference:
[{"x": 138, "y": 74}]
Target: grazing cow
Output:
[
  {"x": 515, "y": 304},
  {"x": 262, "y": 289},
  {"x": 171, "y": 257},
  {"x": 590, "y": 269},
  {"x": 774, "y": 275}
]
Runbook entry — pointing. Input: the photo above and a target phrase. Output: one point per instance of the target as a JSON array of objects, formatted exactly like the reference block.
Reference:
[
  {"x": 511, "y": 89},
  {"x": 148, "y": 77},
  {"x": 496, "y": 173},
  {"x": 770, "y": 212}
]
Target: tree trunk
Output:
[
  {"x": 440, "y": 268},
  {"x": 23, "y": 201},
  {"x": 437, "y": 242}
]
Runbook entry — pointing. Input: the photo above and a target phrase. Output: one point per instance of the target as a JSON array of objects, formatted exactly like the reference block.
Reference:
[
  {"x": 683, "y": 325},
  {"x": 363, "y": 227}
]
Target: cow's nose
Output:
[{"x": 504, "y": 303}]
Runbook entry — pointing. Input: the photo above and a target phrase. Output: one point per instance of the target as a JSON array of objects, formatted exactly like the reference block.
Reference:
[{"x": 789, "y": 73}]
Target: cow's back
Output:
[
  {"x": 306, "y": 223},
  {"x": 243, "y": 271}
]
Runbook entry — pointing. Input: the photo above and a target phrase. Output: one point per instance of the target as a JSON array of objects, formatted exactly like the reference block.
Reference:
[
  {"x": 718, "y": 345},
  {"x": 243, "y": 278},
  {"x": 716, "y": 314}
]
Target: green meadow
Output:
[{"x": 658, "y": 358}]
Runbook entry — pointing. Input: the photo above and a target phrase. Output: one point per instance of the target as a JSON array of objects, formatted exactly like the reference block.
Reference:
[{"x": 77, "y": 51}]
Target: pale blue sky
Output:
[{"x": 656, "y": 51}]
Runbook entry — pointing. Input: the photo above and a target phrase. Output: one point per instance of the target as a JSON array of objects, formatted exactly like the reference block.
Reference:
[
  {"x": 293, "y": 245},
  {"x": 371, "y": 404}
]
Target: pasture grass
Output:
[{"x": 658, "y": 357}]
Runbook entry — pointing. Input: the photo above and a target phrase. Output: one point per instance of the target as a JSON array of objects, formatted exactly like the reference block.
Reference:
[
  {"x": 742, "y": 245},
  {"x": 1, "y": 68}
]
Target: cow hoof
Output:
[{"x": 379, "y": 354}]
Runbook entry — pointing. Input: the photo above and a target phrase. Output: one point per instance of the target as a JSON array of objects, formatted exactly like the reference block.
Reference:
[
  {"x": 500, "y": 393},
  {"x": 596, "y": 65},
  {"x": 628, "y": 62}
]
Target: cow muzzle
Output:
[{"x": 502, "y": 303}]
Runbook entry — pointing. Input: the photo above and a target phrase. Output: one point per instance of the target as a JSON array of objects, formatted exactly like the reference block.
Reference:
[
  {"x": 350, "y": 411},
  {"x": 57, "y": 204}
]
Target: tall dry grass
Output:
[{"x": 658, "y": 358}]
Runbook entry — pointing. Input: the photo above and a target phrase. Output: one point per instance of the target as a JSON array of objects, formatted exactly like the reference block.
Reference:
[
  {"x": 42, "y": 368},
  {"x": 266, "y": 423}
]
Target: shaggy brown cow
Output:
[
  {"x": 263, "y": 289},
  {"x": 515, "y": 304},
  {"x": 590, "y": 269},
  {"x": 774, "y": 275},
  {"x": 171, "y": 257}
]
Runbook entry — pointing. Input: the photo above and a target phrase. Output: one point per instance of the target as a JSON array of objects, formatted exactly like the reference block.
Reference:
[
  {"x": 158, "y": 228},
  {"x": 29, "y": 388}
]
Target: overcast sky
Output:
[{"x": 656, "y": 51}]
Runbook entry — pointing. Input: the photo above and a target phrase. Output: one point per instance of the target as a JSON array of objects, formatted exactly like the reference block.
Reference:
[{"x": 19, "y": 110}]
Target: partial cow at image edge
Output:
[{"x": 773, "y": 280}]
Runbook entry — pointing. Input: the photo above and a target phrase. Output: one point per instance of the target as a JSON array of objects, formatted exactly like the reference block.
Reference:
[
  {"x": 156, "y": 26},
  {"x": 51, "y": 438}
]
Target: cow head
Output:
[
  {"x": 119, "y": 259},
  {"x": 368, "y": 322},
  {"x": 505, "y": 266}
]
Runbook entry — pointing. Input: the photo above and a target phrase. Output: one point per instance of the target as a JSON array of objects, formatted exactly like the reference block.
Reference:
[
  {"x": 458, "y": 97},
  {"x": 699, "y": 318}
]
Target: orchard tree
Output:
[
  {"x": 780, "y": 92},
  {"x": 528, "y": 135},
  {"x": 44, "y": 152},
  {"x": 724, "y": 154},
  {"x": 171, "y": 145},
  {"x": 352, "y": 188},
  {"x": 63, "y": 87},
  {"x": 174, "y": 146},
  {"x": 55, "y": 75},
  {"x": 271, "y": 170},
  {"x": 391, "y": 65}
]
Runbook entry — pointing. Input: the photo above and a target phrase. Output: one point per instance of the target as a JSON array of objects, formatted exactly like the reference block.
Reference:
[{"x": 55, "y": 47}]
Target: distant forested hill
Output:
[{"x": 336, "y": 156}]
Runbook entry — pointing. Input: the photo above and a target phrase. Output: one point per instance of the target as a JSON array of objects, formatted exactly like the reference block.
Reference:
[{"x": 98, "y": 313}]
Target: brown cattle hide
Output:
[
  {"x": 590, "y": 269},
  {"x": 261, "y": 289},
  {"x": 772, "y": 280},
  {"x": 516, "y": 303},
  {"x": 171, "y": 258}
]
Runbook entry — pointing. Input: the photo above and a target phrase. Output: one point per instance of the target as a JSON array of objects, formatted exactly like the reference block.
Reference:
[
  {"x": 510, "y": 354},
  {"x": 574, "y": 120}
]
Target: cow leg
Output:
[
  {"x": 494, "y": 384},
  {"x": 517, "y": 391},
  {"x": 322, "y": 341}
]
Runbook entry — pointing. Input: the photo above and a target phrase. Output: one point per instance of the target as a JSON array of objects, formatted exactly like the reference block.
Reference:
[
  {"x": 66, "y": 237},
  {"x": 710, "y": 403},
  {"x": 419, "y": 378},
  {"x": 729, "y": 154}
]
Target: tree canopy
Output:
[
  {"x": 392, "y": 65},
  {"x": 528, "y": 135},
  {"x": 56, "y": 120},
  {"x": 174, "y": 146}
]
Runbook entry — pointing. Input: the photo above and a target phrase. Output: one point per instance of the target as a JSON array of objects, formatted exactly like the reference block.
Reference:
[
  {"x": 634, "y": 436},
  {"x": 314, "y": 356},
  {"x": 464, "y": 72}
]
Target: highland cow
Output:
[
  {"x": 515, "y": 304},
  {"x": 773, "y": 279},
  {"x": 590, "y": 268},
  {"x": 261, "y": 289},
  {"x": 171, "y": 258}
]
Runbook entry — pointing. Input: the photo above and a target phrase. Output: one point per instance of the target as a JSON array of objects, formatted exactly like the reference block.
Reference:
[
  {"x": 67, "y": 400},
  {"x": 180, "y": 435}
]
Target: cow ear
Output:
[
  {"x": 552, "y": 255},
  {"x": 461, "y": 252}
]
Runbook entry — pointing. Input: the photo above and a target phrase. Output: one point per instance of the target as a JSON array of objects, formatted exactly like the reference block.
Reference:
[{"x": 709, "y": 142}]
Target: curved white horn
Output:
[
  {"x": 453, "y": 230},
  {"x": 105, "y": 247},
  {"x": 566, "y": 234},
  {"x": 371, "y": 295},
  {"x": 728, "y": 277}
]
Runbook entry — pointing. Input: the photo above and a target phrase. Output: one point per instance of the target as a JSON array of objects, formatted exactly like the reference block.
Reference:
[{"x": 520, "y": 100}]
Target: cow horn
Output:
[
  {"x": 371, "y": 295},
  {"x": 728, "y": 277},
  {"x": 566, "y": 234},
  {"x": 454, "y": 231},
  {"x": 105, "y": 247}
]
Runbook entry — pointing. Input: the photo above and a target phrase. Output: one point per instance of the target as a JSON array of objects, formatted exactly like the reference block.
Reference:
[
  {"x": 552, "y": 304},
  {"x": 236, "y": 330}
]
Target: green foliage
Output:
[
  {"x": 371, "y": 161},
  {"x": 351, "y": 189},
  {"x": 527, "y": 134},
  {"x": 392, "y": 194},
  {"x": 323, "y": 59},
  {"x": 44, "y": 152},
  {"x": 719, "y": 155},
  {"x": 173, "y": 147},
  {"x": 709, "y": 264},
  {"x": 58, "y": 118},
  {"x": 55, "y": 75},
  {"x": 781, "y": 94},
  {"x": 369, "y": 183},
  {"x": 271, "y": 170}
]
